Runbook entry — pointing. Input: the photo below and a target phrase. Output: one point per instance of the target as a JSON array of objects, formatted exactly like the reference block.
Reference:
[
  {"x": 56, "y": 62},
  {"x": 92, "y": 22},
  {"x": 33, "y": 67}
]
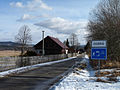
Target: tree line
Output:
[{"x": 104, "y": 24}]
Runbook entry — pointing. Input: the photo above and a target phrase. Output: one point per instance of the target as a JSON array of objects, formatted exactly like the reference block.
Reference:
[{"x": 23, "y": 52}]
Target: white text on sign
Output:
[{"x": 100, "y": 43}]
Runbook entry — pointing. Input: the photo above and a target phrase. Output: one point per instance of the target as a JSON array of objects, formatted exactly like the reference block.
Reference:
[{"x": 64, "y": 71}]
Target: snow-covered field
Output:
[
  {"x": 27, "y": 68},
  {"x": 85, "y": 80}
]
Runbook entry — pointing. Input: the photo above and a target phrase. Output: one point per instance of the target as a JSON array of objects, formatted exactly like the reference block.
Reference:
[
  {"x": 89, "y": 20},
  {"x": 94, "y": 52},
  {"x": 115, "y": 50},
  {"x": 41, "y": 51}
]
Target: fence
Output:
[{"x": 7, "y": 63}]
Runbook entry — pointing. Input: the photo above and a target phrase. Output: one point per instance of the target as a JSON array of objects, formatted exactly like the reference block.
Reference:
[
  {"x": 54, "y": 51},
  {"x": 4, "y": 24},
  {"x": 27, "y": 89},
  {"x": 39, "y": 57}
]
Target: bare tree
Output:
[
  {"x": 23, "y": 37},
  {"x": 104, "y": 24},
  {"x": 73, "y": 40}
]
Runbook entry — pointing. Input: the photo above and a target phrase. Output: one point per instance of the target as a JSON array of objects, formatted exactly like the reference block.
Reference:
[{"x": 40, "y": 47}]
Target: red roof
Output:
[{"x": 58, "y": 42}]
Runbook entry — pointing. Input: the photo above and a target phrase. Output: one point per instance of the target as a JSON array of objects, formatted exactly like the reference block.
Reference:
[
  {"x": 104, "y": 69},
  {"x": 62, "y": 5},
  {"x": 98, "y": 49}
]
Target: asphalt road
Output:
[{"x": 40, "y": 79}]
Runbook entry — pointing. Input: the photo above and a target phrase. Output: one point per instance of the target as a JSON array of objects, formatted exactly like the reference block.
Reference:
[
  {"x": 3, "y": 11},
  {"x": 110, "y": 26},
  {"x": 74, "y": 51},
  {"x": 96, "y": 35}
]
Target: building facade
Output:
[{"x": 51, "y": 46}]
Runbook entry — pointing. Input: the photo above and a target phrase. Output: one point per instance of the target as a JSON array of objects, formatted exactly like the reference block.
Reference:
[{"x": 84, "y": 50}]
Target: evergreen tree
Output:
[{"x": 67, "y": 43}]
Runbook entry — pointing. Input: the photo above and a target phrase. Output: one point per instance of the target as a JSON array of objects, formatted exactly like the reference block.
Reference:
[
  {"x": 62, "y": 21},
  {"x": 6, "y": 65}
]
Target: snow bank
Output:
[
  {"x": 84, "y": 82},
  {"x": 27, "y": 68},
  {"x": 86, "y": 56},
  {"x": 85, "y": 59}
]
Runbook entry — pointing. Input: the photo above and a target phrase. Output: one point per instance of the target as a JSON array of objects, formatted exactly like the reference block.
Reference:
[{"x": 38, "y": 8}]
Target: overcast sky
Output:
[{"x": 58, "y": 18}]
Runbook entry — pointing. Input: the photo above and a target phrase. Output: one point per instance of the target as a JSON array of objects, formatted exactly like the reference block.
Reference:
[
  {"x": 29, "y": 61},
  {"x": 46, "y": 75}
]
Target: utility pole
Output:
[{"x": 43, "y": 49}]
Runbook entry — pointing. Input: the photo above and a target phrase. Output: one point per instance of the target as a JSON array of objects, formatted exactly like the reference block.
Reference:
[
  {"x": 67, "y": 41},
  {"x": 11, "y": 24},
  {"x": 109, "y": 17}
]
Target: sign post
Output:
[
  {"x": 99, "y": 51},
  {"x": 99, "y": 68}
]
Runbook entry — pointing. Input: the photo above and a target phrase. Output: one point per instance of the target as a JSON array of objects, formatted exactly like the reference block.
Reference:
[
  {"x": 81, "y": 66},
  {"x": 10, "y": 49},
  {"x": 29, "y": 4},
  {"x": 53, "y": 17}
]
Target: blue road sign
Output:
[{"x": 99, "y": 53}]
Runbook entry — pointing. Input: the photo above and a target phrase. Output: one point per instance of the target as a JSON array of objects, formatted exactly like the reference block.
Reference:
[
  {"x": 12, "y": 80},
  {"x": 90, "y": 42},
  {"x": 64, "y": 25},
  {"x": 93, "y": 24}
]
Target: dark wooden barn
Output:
[{"x": 51, "y": 46}]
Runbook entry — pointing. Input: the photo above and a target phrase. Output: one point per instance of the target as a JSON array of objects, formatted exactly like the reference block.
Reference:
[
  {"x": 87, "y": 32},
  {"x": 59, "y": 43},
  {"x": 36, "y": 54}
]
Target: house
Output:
[
  {"x": 51, "y": 46},
  {"x": 81, "y": 49}
]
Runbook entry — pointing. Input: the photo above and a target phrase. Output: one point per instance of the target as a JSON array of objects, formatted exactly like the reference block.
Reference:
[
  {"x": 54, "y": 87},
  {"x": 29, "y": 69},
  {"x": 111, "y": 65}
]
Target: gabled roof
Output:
[{"x": 58, "y": 42}]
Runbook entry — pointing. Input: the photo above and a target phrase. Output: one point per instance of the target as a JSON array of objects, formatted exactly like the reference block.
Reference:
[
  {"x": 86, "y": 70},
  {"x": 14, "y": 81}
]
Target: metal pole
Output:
[
  {"x": 99, "y": 67},
  {"x": 43, "y": 51}
]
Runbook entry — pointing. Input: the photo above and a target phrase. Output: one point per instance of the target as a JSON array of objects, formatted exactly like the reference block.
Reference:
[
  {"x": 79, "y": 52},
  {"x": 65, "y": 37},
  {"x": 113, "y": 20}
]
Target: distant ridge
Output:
[{"x": 9, "y": 43}]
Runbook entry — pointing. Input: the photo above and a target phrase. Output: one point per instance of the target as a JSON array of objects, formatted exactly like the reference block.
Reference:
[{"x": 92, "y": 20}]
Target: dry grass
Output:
[
  {"x": 109, "y": 80},
  {"x": 111, "y": 64},
  {"x": 9, "y": 53},
  {"x": 102, "y": 74},
  {"x": 105, "y": 64},
  {"x": 110, "y": 75},
  {"x": 101, "y": 80},
  {"x": 114, "y": 73},
  {"x": 112, "y": 79}
]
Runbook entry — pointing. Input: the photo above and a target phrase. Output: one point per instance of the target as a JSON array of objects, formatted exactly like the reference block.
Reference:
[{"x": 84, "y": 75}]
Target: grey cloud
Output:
[{"x": 63, "y": 26}]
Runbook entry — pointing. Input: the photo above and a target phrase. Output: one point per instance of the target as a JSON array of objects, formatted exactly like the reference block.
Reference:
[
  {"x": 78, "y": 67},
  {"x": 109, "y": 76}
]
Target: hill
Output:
[{"x": 10, "y": 45}]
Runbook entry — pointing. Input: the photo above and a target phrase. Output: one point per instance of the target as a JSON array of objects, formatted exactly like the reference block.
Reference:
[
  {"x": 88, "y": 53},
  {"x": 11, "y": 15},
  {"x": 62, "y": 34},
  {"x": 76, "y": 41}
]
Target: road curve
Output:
[{"x": 39, "y": 79}]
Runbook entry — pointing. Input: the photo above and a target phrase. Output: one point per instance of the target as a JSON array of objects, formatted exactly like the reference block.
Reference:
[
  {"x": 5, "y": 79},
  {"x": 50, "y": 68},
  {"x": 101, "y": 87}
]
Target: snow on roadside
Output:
[
  {"x": 27, "y": 68},
  {"x": 86, "y": 57},
  {"x": 84, "y": 82},
  {"x": 109, "y": 70}
]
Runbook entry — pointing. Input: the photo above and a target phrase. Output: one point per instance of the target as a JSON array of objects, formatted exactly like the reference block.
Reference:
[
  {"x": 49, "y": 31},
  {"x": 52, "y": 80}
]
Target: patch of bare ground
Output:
[
  {"x": 114, "y": 73},
  {"x": 110, "y": 75},
  {"x": 102, "y": 74},
  {"x": 101, "y": 80},
  {"x": 108, "y": 80}
]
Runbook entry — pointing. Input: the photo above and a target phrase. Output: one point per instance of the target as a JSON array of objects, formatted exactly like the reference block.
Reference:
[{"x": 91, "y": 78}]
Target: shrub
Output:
[{"x": 30, "y": 53}]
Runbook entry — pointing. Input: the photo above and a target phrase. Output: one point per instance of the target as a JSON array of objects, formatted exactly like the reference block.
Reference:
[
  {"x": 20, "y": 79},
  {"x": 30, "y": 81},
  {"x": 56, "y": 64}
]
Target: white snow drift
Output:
[{"x": 84, "y": 80}]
